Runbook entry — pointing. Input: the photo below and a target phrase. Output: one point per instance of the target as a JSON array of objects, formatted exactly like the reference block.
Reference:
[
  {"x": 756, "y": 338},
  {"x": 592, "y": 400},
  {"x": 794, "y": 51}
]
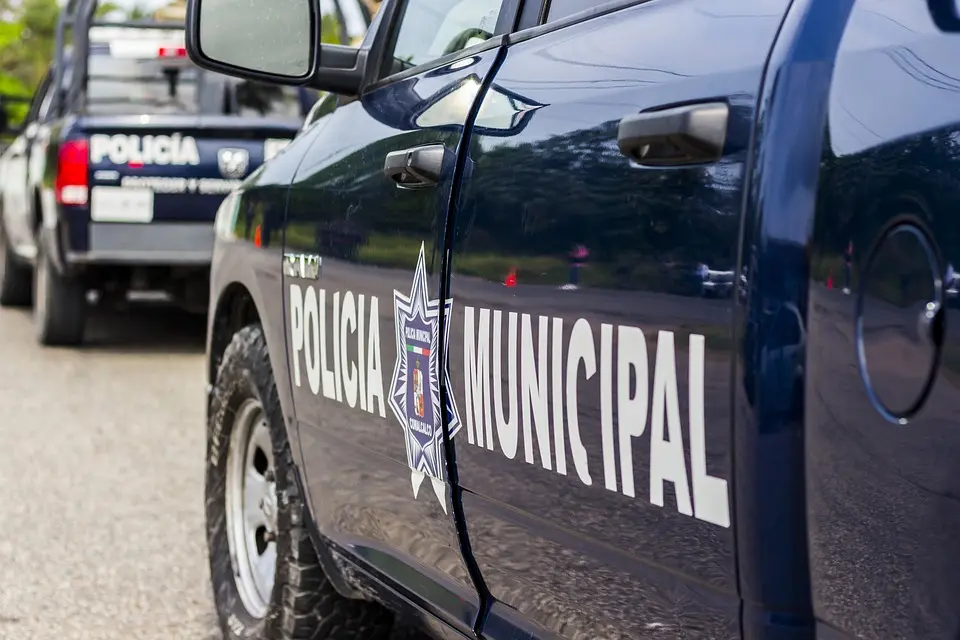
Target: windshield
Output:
[{"x": 161, "y": 80}]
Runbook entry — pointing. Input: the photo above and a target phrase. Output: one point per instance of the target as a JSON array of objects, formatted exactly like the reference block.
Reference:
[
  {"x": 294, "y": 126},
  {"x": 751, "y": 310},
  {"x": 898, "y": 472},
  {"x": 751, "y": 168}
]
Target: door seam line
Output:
[{"x": 462, "y": 153}]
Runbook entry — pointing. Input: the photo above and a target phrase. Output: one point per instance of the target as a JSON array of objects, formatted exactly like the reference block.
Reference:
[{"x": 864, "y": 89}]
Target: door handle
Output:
[
  {"x": 416, "y": 168},
  {"x": 691, "y": 134}
]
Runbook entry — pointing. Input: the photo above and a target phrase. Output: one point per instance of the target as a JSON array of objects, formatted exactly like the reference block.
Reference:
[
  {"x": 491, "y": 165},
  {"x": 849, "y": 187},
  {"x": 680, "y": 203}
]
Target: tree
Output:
[{"x": 27, "y": 44}]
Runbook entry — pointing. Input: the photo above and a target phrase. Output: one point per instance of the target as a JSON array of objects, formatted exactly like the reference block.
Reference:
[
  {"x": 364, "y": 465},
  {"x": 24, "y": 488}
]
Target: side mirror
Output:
[
  {"x": 946, "y": 14},
  {"x": 276, "y": 42}
]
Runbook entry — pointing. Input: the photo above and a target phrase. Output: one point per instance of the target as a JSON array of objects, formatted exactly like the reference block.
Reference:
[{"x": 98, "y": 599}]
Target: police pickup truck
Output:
[
  {"x": 420, "y": 412},
  {"x": 113, "y": 183}
]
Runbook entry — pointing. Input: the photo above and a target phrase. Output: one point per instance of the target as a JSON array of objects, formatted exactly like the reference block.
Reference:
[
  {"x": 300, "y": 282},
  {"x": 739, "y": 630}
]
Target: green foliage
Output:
[
  {"x": 331, "y": 30},
  {"x": 11, "y": 82},
  {"x": 27, "y": 45}
]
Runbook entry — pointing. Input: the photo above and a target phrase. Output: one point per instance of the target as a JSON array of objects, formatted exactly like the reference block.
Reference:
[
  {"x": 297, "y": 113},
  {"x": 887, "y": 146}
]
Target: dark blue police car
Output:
[
  {"x": 416, "y": 414},
  {"x": 112, "y": 184}
]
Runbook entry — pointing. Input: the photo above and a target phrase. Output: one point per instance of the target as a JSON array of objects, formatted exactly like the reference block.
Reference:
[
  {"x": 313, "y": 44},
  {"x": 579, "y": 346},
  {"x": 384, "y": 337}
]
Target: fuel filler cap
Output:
[{"x": 900, "y": 320}]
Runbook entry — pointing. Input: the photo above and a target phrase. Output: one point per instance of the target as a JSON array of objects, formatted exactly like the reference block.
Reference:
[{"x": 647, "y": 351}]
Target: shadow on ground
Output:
[
  {"x": 141, "y": 327},
  {"x": 145, "y": 328}
]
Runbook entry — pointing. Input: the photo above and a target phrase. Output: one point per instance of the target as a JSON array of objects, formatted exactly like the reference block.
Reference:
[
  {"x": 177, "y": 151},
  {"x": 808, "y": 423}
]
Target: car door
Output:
[
  {"x": 593, "y": 384},
  {"x": 17, "y": 195},
  {"x": 365, "y": 240},
  {"x": 883, "y": 388}
]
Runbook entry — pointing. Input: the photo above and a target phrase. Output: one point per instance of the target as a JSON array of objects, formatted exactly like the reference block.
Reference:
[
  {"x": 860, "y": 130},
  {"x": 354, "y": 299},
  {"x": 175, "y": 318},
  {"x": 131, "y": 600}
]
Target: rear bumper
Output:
[{"x": 157, "y": 243}]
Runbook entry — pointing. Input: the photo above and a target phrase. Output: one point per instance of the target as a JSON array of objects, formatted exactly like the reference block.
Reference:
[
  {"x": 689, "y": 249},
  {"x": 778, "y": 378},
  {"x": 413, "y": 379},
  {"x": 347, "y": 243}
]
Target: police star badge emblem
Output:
[{"x": 415, "y": 391}]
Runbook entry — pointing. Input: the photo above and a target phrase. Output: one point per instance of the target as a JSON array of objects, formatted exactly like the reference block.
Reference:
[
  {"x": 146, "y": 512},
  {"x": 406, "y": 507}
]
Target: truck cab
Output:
[
  {"x": 111, "y": 186},
  {"x": 464, "y": 387}
]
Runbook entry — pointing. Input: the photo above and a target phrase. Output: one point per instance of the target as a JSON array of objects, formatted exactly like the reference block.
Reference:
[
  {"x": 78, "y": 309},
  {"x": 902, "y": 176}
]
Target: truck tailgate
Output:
[{"x": 174, "y": 168}]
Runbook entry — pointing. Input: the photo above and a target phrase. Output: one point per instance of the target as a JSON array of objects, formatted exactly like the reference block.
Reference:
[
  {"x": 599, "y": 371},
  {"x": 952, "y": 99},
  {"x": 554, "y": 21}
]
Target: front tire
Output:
[
  {"x": 266, "y": 576},
  {"x": 15, "y": 278},
  {"x": 60, "y": 304}
]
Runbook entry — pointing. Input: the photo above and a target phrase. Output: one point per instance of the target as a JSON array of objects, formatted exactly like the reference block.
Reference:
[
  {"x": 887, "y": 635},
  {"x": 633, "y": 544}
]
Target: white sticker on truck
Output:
[{"x": 121, "y": 204}]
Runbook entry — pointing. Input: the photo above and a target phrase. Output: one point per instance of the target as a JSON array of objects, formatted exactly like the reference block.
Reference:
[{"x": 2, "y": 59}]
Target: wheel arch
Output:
[{"x": 237, "y": 307}]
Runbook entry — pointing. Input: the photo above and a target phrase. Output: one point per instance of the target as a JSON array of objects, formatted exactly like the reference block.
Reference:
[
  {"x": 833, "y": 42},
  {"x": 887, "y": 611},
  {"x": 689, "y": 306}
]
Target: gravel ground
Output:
[{"x": 101, "y": 482}]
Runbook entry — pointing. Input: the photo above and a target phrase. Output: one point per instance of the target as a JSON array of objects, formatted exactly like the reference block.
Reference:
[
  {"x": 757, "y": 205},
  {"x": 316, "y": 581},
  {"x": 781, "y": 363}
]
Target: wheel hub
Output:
[
  {"x": 269, "y": 507},
  {"x": 252, "y": 508}
]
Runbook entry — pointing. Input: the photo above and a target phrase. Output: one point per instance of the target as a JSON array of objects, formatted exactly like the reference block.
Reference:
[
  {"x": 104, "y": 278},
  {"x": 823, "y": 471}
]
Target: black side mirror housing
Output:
[
  {"x": 946, "y": 14},
  {"x": 285, "y": 49}
]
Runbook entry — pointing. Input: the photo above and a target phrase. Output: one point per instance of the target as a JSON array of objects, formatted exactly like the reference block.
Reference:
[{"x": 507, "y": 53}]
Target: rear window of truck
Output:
[{"x": 155, "y": 77}]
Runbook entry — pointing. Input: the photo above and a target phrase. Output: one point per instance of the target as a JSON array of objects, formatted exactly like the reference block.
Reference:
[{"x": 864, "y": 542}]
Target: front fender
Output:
[{"x": 246, "y": 269}]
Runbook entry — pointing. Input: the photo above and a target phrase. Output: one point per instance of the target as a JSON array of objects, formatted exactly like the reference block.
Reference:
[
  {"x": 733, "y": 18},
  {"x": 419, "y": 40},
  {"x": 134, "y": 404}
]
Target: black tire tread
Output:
[
  {"x": 66, "y": 308},
  {"x": 16, "y": 282},
  {"x": 305, "y": 604}
]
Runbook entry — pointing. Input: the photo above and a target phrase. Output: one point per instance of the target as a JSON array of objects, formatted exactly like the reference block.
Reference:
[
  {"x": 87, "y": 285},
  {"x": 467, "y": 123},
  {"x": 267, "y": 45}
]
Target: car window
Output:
[
  {"x": 124, "y": 86},
  {"x": 430, "y": 29},
  {"x": 134, "y": 71},
  {"x": 345, "y": 21},
  {"x": 559, "y": 9}
]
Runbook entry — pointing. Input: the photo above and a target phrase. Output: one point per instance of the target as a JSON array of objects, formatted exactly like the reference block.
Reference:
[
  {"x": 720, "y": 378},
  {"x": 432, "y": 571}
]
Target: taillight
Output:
[
  {"x": 70, "y": 185},
  {"x": 172, "y": 52}
]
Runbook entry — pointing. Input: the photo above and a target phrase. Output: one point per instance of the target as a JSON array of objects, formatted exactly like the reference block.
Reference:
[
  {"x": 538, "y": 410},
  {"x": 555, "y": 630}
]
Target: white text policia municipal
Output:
[{"x": 541, "y": 392}]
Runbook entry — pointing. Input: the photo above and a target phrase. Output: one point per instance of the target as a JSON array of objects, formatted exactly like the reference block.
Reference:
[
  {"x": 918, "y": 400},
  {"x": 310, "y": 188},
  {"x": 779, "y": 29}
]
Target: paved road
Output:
[{"x": 101, "y": 482}]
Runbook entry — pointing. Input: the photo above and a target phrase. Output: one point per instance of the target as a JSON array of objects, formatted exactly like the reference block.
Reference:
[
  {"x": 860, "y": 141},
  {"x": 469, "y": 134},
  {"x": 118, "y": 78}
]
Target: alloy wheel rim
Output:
[{"x": 251, "y": 508}]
